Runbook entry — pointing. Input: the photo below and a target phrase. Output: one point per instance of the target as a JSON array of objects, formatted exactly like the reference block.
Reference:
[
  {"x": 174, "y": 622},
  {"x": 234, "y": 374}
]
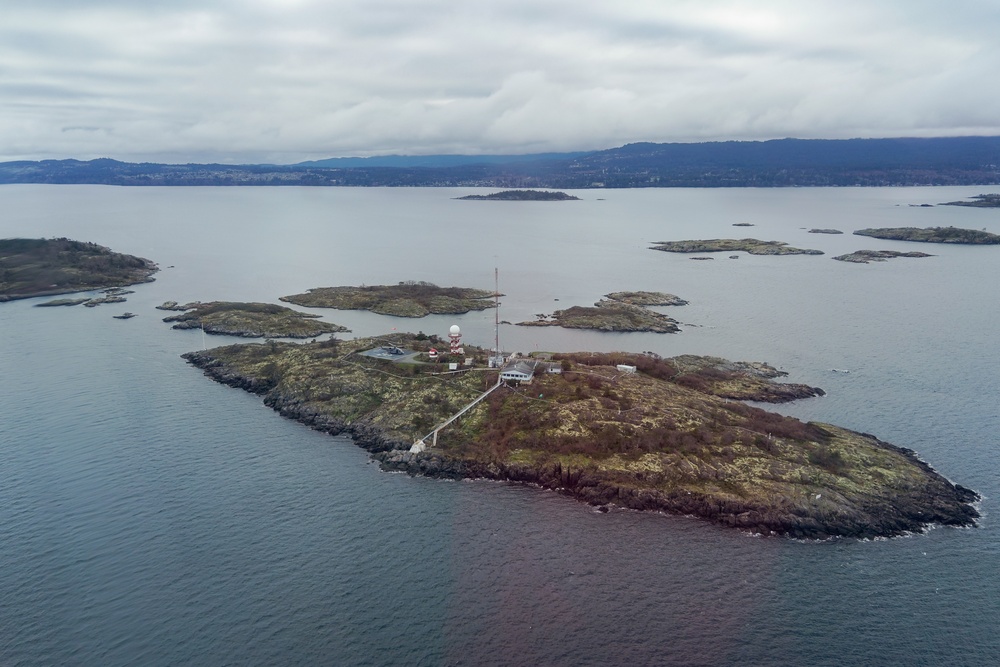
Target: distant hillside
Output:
[
  {"x": 777, "y": 163},
  {"x": 433, "y": 161}
]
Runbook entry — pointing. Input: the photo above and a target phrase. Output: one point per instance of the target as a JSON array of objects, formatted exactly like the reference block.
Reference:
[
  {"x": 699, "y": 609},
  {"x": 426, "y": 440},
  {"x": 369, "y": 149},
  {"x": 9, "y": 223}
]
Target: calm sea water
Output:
[{"x": 151, "y": 517}]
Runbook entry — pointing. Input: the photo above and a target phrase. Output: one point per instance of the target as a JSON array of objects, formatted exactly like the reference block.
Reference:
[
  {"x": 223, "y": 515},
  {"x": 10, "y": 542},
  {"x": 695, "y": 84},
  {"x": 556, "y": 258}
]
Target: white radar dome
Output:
[{"x": 454, "y": 329}]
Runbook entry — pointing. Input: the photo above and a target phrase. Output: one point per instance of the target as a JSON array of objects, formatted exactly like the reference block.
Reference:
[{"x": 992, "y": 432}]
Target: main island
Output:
[{"x": 629, "y": 430}]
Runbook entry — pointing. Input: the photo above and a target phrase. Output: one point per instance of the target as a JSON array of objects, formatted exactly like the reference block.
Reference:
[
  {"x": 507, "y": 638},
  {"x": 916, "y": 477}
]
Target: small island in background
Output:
[
  {"x": 44, "y": 267},
  {"x": 618, "y": 312},
  {"x": 978, "y": 201},
  {"x": 407, "y": 299},
  {"x": 248, "y": 320},
  {"x": 866, "y": 256},
  {"x": 751, "y": 246},
  {"x": 521, "y": 195},
  {"x": 932, "y": 235}
]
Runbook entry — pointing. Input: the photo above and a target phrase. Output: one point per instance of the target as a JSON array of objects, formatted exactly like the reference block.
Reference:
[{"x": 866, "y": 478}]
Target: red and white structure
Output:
[{"x": 455, "y": 334}]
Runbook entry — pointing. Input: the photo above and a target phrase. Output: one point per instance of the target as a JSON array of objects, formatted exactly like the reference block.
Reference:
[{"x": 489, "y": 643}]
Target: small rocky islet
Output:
[
  {"x": 521, "y": 195},
  {"x": 406, "y": 299},
  {"x": 617, "y": 312},
  {"x": 868, "y": 256},
  {"x": 248, "y": 320},
  {"x": 631, "y": 430},
  {"x": 750, "y": 246}
]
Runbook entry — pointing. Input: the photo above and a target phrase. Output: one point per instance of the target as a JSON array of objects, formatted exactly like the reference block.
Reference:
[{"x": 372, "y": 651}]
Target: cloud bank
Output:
[{"x": 290, "y": 80}]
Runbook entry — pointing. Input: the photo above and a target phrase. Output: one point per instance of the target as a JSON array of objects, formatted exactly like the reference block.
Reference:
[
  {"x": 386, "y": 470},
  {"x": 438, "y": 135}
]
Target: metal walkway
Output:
[{"x": 421, "y": 444}]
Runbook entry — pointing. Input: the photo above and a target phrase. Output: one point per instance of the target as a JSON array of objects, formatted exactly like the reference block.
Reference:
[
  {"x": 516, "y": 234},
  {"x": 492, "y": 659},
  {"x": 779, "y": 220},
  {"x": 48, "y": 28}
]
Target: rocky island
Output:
[
  {"x": 43, "y": 267},
  {"x": 607, "y": 315},
  {"x": 407, "y": 299},
  {"x": 866, "y": 256},
  {"x": 751, "y": 246},
  {"x": 249, "y": 320},
  {"x": 618, "y": 312},
  {"x": 932, "y": 235},
  {"x": 647, "y": 298},
  {"x": 825, "y": 231},
  {"x": 632, "y": 430},
  {"x": 979, "y": 201},
  {"x": 521, "y": 195}
]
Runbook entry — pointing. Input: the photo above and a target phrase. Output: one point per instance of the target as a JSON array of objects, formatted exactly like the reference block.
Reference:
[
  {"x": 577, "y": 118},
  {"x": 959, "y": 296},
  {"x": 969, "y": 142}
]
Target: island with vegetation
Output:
[
  {"x": 249, "y": 320},
  {"x": 606, "y": 315},
  {"x": 979, "y": 201},
  {"x": 642, "y": 298},
  {"x": 629, "y": 430},
  {"x": 44, "y": 267},
  {"x": 407, "y": 299},
  {"x": 825, "y": 231},
  {"x": 751, "y": 246},
  {"x": 932, "y": 235},
  {"x": 521, "y": 195},
  {"x": 866, "y": 256}
]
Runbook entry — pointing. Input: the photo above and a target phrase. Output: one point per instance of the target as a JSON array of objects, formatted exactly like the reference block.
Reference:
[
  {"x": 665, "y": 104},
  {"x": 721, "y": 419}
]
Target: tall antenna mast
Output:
[{"x": 496, "y": 313}]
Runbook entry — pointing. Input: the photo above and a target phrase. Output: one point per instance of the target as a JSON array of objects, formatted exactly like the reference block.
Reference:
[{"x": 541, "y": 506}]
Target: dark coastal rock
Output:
[{"x": 91, "y": 303}]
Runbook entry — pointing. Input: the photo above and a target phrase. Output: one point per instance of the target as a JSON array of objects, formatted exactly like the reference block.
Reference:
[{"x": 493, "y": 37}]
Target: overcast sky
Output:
[{"x": 289, "y": 80}]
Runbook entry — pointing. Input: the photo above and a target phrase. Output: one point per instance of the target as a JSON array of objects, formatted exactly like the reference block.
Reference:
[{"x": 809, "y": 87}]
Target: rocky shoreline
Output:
[{"x": 911, "y": 513}]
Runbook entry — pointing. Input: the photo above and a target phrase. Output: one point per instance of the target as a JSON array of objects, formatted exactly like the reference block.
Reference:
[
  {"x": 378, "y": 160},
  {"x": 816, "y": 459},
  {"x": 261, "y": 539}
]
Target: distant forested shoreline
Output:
[{"x": 776, "y": 163}]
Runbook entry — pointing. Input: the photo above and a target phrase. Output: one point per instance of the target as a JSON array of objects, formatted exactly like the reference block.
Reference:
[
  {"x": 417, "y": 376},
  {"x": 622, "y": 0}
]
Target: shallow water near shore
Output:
[{"x": 150, "y": 516}]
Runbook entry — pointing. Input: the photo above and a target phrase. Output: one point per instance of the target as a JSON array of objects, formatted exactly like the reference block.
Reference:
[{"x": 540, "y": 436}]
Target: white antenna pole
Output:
[{"x": 496, "y": 312}]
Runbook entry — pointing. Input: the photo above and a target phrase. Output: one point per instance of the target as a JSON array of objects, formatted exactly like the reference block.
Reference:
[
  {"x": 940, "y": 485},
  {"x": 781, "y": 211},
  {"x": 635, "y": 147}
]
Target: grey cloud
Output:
[{"x": 255, "y": 79}]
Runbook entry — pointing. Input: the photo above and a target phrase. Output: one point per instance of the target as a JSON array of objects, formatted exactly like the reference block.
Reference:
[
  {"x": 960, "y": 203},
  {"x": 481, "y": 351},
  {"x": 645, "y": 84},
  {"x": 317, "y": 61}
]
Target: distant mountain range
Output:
[{"x": 777, "y": 163}]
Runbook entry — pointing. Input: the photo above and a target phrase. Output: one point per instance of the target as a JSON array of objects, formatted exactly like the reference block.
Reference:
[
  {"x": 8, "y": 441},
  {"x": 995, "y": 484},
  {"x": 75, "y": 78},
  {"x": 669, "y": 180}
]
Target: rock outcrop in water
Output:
[
  {"x": 248, "y": 320},
  {"x": 751, "y": 246}
]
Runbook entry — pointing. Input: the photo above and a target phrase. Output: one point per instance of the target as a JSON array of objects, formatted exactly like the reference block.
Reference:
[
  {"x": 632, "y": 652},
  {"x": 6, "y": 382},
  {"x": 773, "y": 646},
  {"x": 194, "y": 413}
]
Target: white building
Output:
[{"x": 520, "y": 371}]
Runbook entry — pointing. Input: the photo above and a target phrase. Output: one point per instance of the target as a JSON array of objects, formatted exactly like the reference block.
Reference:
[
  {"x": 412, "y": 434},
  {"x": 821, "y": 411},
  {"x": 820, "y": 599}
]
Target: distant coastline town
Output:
[{"x": 775, "y": 163}]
